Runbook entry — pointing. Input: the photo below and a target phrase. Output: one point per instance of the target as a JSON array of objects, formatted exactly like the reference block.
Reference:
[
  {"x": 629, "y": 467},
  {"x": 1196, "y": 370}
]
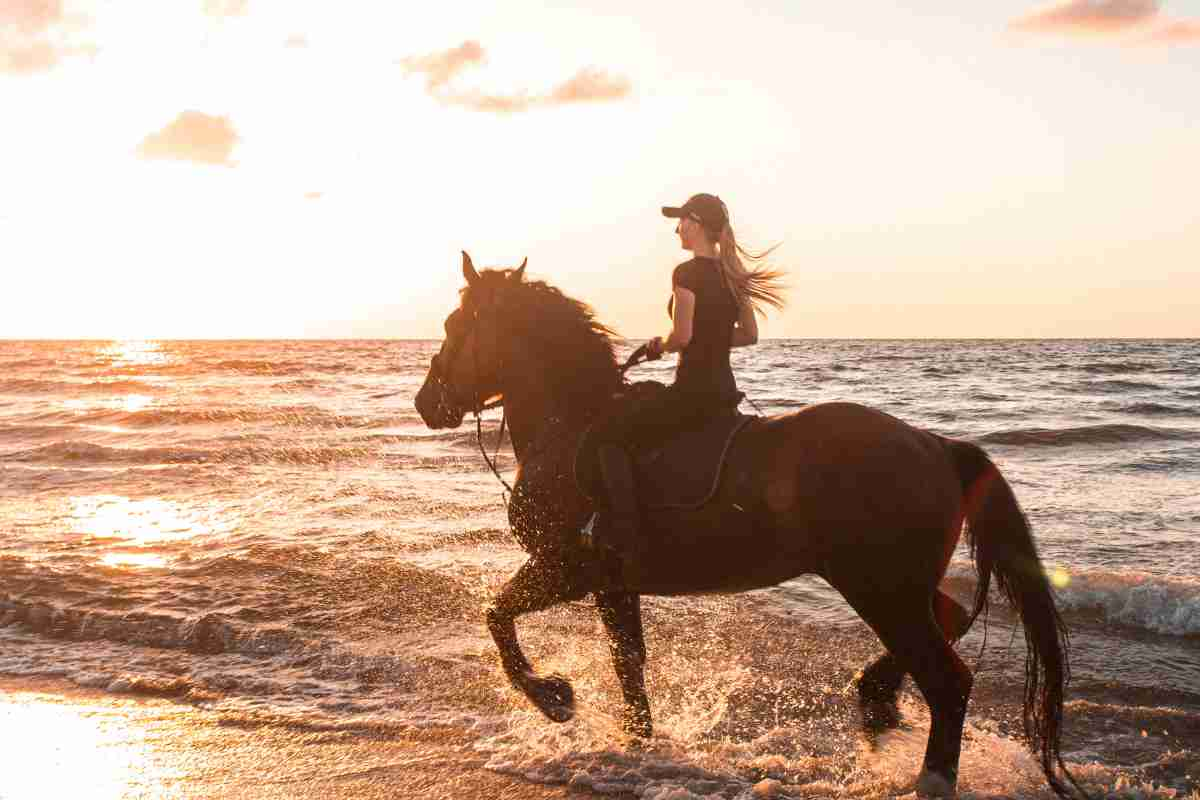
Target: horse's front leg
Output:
[
  {"x": 537, "y": 585},
  {"x": 622, "y": 617}
]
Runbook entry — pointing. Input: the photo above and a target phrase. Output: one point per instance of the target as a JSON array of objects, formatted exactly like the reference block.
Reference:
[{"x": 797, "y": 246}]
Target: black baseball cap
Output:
[{"x": 707, "y": 209}]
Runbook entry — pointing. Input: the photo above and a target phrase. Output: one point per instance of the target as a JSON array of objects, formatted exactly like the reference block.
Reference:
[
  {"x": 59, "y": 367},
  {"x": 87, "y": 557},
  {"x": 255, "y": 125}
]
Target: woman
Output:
[{"x": 714, "y": 299}]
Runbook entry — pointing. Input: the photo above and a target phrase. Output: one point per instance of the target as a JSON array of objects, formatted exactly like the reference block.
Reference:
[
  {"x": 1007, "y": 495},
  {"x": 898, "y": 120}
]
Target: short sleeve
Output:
[{"x": 685, "y": 276}]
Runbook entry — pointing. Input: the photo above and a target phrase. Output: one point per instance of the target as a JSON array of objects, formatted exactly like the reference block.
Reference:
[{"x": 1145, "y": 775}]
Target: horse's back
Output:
[{"x": 844, "y": 472}]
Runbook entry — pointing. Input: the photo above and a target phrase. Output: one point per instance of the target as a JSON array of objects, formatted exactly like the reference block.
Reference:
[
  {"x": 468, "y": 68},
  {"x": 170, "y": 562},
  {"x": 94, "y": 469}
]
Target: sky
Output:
[{"x": 294, "y": 168}]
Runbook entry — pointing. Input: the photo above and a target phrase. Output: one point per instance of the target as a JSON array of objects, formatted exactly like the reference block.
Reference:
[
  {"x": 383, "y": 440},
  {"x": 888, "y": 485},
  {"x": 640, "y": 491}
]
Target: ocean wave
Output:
[
  {"x": 1117, "y": 367},
  {"x": 1164, "y": 462},
  {"x": 79, "y": 452},
  {"x": 1117, "y": 385},
  {"x": 27, "y": 362},
  {"x": 1154, "y": 603},
  {"x": 70, "y": 389},
  {"x": 1158, "y": 410},
  {"x": 303, "y": 416},
  {"x": 1087, "y": 434},
  {"x": 269, "y": 367},
  {"x": 287, "y": 600}
]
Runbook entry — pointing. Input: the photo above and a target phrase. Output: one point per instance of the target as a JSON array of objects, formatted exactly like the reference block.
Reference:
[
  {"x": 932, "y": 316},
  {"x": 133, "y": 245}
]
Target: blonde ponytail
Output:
[{"x": 761, "y": 286}]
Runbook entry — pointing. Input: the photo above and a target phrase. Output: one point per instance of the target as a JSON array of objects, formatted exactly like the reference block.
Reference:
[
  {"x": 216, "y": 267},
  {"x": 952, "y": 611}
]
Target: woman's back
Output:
[{"x": 703, "y": 367}]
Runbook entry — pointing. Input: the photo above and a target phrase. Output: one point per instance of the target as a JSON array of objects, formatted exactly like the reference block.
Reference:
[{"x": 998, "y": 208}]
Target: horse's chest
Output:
[{"x": 545, "y": 503}]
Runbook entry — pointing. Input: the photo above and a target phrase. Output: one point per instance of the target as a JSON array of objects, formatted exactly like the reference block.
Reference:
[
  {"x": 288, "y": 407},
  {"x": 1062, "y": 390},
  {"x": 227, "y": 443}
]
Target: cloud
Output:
[
  {"x": 313, "y": 195},
  {"x": 296, "y": 40},
  {"x": 27, "y": 59},
  {"x": 30, "y": 17},
  {"x": 1131, "y": 21},
  {"x": 1180, "y": 31},
  {"x": 226, "y": 8},
  {"x": 192, "y": 136},
  {"x": 1087, "y": 16},
  {"x": 589, "y": 85},
  {"x": 34, "y": 36},
  {"x": 439, "y": 68}
]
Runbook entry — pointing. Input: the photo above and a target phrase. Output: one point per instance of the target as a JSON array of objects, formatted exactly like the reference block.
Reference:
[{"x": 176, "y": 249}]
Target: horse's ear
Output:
[
  {"x": 469, "y": 270},
  {"x": 518, "y": 274}
]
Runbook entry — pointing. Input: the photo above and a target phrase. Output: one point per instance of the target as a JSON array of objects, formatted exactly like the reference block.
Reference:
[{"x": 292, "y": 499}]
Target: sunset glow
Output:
[
  {"x": 270, "y": 169},
  {"x": 130, "y": 529}
]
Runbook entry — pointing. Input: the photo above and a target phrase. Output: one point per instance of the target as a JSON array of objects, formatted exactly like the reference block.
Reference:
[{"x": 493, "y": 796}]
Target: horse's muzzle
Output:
[{"x": 436, "y": 407}]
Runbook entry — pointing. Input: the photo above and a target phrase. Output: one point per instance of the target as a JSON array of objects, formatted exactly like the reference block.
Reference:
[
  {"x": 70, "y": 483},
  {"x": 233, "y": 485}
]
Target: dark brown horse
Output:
[{"x": 867, "y": 502}]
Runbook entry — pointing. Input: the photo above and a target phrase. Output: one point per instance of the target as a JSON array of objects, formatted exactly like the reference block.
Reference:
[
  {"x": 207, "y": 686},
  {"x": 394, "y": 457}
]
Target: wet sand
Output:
[{"x": 64, "y": 741}]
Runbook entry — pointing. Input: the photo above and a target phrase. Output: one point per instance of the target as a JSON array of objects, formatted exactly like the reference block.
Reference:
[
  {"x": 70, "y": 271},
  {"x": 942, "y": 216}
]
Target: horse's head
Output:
[{"x": 466, "y": 372}]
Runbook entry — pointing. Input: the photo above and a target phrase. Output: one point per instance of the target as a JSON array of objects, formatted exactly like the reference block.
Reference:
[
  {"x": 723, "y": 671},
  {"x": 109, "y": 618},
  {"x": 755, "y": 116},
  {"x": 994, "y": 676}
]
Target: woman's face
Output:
[{"x": 689, "y": 233}]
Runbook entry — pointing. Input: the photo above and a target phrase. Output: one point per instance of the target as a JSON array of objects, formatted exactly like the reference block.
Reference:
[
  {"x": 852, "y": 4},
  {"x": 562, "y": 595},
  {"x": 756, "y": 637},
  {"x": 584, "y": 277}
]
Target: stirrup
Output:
[{"x": 587, "y": 536}]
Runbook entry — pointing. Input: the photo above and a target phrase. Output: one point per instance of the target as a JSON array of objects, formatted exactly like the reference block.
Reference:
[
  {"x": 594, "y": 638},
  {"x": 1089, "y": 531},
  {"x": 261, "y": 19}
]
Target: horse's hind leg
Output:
[
  {"x": 909, "y": 630},
  {"x": 879, "y": 683},
  {"x": 622, "y": 617},
  {"x": 951, "y": 617},
  {"x": 536, "y": 585}
]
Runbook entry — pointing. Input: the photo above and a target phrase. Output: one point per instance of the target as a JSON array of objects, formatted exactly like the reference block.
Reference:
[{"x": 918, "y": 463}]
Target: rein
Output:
[{"x": 638, "y": 356}]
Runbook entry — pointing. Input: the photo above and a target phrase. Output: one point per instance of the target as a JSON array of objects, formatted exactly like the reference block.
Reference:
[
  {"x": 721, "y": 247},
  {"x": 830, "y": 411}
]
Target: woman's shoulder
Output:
[{"x": 685, "y": 274}]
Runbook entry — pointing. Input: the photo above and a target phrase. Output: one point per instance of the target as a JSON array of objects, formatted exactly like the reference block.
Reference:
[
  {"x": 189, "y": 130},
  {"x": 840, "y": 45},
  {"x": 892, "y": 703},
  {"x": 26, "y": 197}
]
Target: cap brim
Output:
[{"x": 672, "y": 212}]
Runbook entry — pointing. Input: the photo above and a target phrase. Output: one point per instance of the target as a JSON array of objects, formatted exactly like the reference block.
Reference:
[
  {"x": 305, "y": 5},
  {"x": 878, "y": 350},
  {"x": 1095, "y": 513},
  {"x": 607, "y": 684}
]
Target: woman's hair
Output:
[{"x": 761, "y": 286}]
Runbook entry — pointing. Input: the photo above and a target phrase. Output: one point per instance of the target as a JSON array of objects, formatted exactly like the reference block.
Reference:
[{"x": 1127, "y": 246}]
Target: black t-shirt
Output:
[{"x": 704, "y": 364}]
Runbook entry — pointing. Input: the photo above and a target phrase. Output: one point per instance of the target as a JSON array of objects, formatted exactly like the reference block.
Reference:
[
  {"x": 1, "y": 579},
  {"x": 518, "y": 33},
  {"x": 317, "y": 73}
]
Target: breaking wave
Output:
[{"x": 1087, "y": 434}]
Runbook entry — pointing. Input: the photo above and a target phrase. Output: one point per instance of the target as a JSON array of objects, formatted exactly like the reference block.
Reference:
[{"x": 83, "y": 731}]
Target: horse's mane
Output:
[{"x": 572, "y": 349}]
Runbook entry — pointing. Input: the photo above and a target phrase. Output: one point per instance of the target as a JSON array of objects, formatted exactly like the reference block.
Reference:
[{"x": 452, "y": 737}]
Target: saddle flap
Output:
[{"x": 684, "y": 472}]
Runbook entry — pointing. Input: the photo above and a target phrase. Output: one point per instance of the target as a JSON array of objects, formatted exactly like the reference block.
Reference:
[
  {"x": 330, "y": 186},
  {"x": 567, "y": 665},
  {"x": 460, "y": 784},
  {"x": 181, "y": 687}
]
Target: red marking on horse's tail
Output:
[{"x": 1002, "y": 546}]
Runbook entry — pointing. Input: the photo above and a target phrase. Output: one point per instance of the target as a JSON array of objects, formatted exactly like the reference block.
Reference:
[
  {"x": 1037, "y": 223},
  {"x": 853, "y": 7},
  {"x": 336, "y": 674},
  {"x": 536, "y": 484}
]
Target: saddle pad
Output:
[{"x": 684, "y": 472}]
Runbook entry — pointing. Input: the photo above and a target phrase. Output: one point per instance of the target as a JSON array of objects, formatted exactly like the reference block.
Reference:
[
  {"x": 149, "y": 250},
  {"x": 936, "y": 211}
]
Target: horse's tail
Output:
[{"x": 1002, "y": 545}]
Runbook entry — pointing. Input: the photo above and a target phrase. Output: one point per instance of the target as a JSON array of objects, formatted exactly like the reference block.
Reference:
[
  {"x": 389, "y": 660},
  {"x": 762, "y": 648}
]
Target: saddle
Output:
[{"x": 682, "y": 473}]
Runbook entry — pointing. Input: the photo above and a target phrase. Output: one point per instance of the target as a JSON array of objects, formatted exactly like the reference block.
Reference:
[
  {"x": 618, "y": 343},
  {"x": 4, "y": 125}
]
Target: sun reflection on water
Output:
[
  {"x": 131, "y": 353},
  {"x": 129, "y": 525},
  {"x": 63, "y": 749},
  {"x": 143, "y": 560}
]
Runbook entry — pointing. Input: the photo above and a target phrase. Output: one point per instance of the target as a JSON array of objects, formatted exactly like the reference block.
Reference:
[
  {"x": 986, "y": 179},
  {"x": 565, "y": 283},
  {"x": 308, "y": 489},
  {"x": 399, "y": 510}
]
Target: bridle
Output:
[
  {"x": 638, "y": 356},
  {"x": 477, "y": 406}
]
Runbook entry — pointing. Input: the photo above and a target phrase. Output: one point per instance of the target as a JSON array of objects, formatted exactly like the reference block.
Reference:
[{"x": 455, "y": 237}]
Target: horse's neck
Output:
[
  {"x": 534, "y": 413},
  {"x": 530, "y": 409}
]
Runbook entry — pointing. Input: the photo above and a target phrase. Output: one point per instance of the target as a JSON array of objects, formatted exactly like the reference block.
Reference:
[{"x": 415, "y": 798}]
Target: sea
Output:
[{"x": 267, "y": 529}]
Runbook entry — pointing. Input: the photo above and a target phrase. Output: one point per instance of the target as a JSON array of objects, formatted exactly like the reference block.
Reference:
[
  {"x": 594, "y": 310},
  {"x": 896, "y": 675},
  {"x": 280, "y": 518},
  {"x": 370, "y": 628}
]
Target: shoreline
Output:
[{"x": 70, "y": 741}]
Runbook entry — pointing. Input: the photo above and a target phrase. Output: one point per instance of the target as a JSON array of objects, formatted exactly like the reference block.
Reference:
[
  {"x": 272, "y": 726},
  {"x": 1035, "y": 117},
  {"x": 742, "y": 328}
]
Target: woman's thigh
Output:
[{"x": 657, "y": 419}]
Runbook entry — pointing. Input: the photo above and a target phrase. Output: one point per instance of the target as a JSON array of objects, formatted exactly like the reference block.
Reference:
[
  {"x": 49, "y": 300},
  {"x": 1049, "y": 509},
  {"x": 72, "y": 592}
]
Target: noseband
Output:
[{"x": 478, "y": 406}]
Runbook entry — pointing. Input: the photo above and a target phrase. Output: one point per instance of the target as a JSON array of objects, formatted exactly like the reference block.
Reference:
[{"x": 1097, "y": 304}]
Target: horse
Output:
[{"x": 851, "y": 494}]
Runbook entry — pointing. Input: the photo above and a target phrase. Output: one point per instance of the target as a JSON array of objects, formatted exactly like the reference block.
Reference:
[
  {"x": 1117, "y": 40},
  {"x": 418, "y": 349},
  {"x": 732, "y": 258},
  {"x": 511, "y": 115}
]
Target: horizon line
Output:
[{"x": 628, "y": 339}]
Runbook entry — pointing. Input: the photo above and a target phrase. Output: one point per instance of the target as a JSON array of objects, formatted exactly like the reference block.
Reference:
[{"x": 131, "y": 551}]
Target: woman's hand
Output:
[{"x": 654, "y": 348}]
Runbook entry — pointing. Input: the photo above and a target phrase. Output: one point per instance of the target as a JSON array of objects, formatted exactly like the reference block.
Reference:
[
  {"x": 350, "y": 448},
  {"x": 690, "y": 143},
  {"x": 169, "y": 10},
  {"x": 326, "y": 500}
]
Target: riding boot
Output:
[{"x": 623, "y": 530}]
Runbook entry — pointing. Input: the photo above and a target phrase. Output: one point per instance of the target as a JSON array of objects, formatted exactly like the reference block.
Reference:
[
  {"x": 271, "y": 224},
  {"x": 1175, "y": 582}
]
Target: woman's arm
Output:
[
  {"x": 746, "y": 330},
  {"x": 681, "y": 322}
]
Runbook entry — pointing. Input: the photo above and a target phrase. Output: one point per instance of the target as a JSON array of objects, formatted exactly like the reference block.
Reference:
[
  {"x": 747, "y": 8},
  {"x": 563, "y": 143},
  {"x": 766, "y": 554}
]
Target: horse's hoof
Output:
[
  {"x": 879, "y": 718},
  {"x": 554, "y": 697},
  {"x": 934, "y": 784},
  {"x": 637, "y": 725}
]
